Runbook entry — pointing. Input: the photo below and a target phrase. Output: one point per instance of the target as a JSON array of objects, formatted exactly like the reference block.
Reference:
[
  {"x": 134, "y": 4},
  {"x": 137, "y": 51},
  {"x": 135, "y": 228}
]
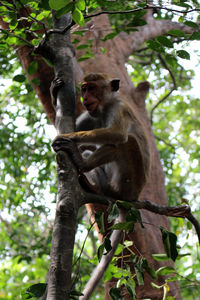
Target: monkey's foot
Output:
[
  {"x": 71, "y": 148},
  {"x": 56, "y": 84},
  {"x": 64, "y": 144}
]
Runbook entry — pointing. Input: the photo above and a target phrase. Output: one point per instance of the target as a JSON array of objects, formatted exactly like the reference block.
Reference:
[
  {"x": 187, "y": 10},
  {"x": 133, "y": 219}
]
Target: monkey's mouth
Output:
[{"x": 91, "y": 106}]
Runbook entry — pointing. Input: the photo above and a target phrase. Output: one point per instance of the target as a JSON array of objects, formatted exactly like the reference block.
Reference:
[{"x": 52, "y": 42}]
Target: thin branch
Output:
[
  {"x": 166, "y": 143},
  {"x": 18, "y": 37},
  {"x": 173, "y": 211},
  {"x": 139, "y": 9},
  {"x": 78, "y": 260},
  {"x": 163, "y": 62},
  {"x": 168, "y": 69},
  {"x": 60, "y": 31}
]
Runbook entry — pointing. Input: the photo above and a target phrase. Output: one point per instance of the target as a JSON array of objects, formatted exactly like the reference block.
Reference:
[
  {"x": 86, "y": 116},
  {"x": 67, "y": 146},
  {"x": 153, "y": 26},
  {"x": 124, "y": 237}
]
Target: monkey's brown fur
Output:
[{"x": 112, "y": 124}]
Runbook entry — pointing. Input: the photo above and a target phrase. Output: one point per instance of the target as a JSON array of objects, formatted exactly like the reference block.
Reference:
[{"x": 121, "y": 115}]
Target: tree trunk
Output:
[{"x": 147, "y": 240}]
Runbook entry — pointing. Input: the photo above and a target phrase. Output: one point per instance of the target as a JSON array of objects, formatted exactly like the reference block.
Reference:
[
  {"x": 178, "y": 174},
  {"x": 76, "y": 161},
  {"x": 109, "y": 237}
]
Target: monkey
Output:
[
  {"x": 122, "y": 145},
  {"x": 121, "y": 155}
]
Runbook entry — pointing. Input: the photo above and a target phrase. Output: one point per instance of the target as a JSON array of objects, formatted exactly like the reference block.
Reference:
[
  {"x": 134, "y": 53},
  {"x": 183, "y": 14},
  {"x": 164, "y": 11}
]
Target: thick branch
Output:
[
  {"x": 154, "y": 28},
  {"x": 173, "y": 211}
]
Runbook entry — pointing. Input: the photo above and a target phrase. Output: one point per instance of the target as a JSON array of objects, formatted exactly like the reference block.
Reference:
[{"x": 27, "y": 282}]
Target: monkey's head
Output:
[{"x": 97, "y": 91}]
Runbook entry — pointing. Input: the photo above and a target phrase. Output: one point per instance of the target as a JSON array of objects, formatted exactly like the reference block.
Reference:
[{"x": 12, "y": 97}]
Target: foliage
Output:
[
  {"x": 26, "y": 162},
  {"x": 28, "y": 190}
]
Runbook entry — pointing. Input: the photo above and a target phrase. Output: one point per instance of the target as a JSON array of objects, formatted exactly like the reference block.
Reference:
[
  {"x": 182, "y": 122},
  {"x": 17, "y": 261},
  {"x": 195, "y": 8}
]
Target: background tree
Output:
[{"x": 147, "y": 38}]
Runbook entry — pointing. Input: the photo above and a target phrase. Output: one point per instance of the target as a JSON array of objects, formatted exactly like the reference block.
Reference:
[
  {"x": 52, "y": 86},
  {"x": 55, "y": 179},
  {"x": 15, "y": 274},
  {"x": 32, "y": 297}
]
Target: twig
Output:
[
  {"x": 80, "y": 254},
  {"x": 170, "y": 92},
  {"x": 166, "y": 143}
]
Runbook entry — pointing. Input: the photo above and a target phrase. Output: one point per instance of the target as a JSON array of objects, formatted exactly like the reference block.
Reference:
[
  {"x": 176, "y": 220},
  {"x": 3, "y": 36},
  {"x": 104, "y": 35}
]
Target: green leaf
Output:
[
  {"x": 170, "y": 59},
  {"x": 119, "y": 249},
  {"x": 137, "y": 22},
  {"x": 169, "y": 240},
  {"x": 85, "y": 56},
  {"x": 58, "y": 4},
  {"x": 121, "y": 281},
  {"x": 44, "y": 4},
  {"x": 83, "y": 46},
  {"x": 195, "y": 36},
  {"x": 107, "y": 244},
  {"x": 191, "y": 24},
  {"x": 156, "y": 286},
  {"x": 19, "y": 78},
  {"x": 109, "y": 36},
  {"x": 76, "y": 41},
  {"x": 81, "y": 4},
  {"x": 32, "y": 68},
  {"x": 75, "y": 293},
  {"x": 36, "y": 81},
  {"x": 37, "y": 290},
  {"x": 130, "y": 285},
  {"x": 149, "y": 270},
  {"x": 115, "y": 294},
  {"x": 69, "y": 7},
  {"x": 114, "y": 213},
  {"x": 134, "y": 215},
  {"x": 165, "y": 271},
  {"x": 79, "y": 32},
  {"x": 183, "y": 54},
  {"x": 128, "y": 244},
  {"x": 78, "y": 17},
  {"x": 189, "y": 225},
  {"x": 182, "y": 4},
  {"x": 125, "y": 204},
  {"x": 100, "y": 251},
  {"x": 155, "y": 46},
  {"x": 176, "y": 32},
  {"x": 160, "y": 257},
  {"x": 165, "y": 41},
  {"x": 139, "y": 273},
  {"x": 99, "y": 218},
  {"x": 139, "y": 14},
  {"x": 127, "y": 226},
  {"x": 171, "y": 279}
]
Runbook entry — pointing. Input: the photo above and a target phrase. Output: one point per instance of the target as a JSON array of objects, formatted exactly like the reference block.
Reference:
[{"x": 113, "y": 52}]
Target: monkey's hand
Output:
[{"x": 71, "y": 148}]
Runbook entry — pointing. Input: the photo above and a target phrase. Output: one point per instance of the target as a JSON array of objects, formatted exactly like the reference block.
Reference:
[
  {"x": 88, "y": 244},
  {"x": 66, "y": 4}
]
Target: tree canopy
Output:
[{"x": 28, "y": 181}]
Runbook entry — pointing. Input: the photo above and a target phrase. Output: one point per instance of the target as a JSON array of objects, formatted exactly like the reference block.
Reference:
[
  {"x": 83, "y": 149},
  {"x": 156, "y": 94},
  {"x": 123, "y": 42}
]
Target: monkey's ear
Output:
[{"x": 115, "y": 84}]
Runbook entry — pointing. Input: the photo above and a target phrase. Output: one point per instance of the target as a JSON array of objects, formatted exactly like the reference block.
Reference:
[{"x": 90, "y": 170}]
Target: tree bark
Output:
[{"x": 147, "y": 240}]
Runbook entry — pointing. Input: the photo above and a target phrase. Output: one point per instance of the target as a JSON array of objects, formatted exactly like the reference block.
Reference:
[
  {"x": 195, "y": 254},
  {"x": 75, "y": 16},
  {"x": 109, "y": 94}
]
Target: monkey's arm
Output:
[
  {"x": 102, "y": 155},
  {"x": 96, "y": 136},
  {"x": 116, "y": 131}
]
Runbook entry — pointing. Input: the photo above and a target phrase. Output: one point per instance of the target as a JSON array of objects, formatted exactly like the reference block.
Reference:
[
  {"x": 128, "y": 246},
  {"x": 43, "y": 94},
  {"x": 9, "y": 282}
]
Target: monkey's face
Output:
[{"x": 91, "y": 96}]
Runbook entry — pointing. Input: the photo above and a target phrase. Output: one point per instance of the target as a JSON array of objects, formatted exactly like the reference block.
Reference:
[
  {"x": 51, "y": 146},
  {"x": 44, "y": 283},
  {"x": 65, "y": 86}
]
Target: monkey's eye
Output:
[
  {"x": 91, "y": 87},
  {"x": 83, "y": 89}
]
